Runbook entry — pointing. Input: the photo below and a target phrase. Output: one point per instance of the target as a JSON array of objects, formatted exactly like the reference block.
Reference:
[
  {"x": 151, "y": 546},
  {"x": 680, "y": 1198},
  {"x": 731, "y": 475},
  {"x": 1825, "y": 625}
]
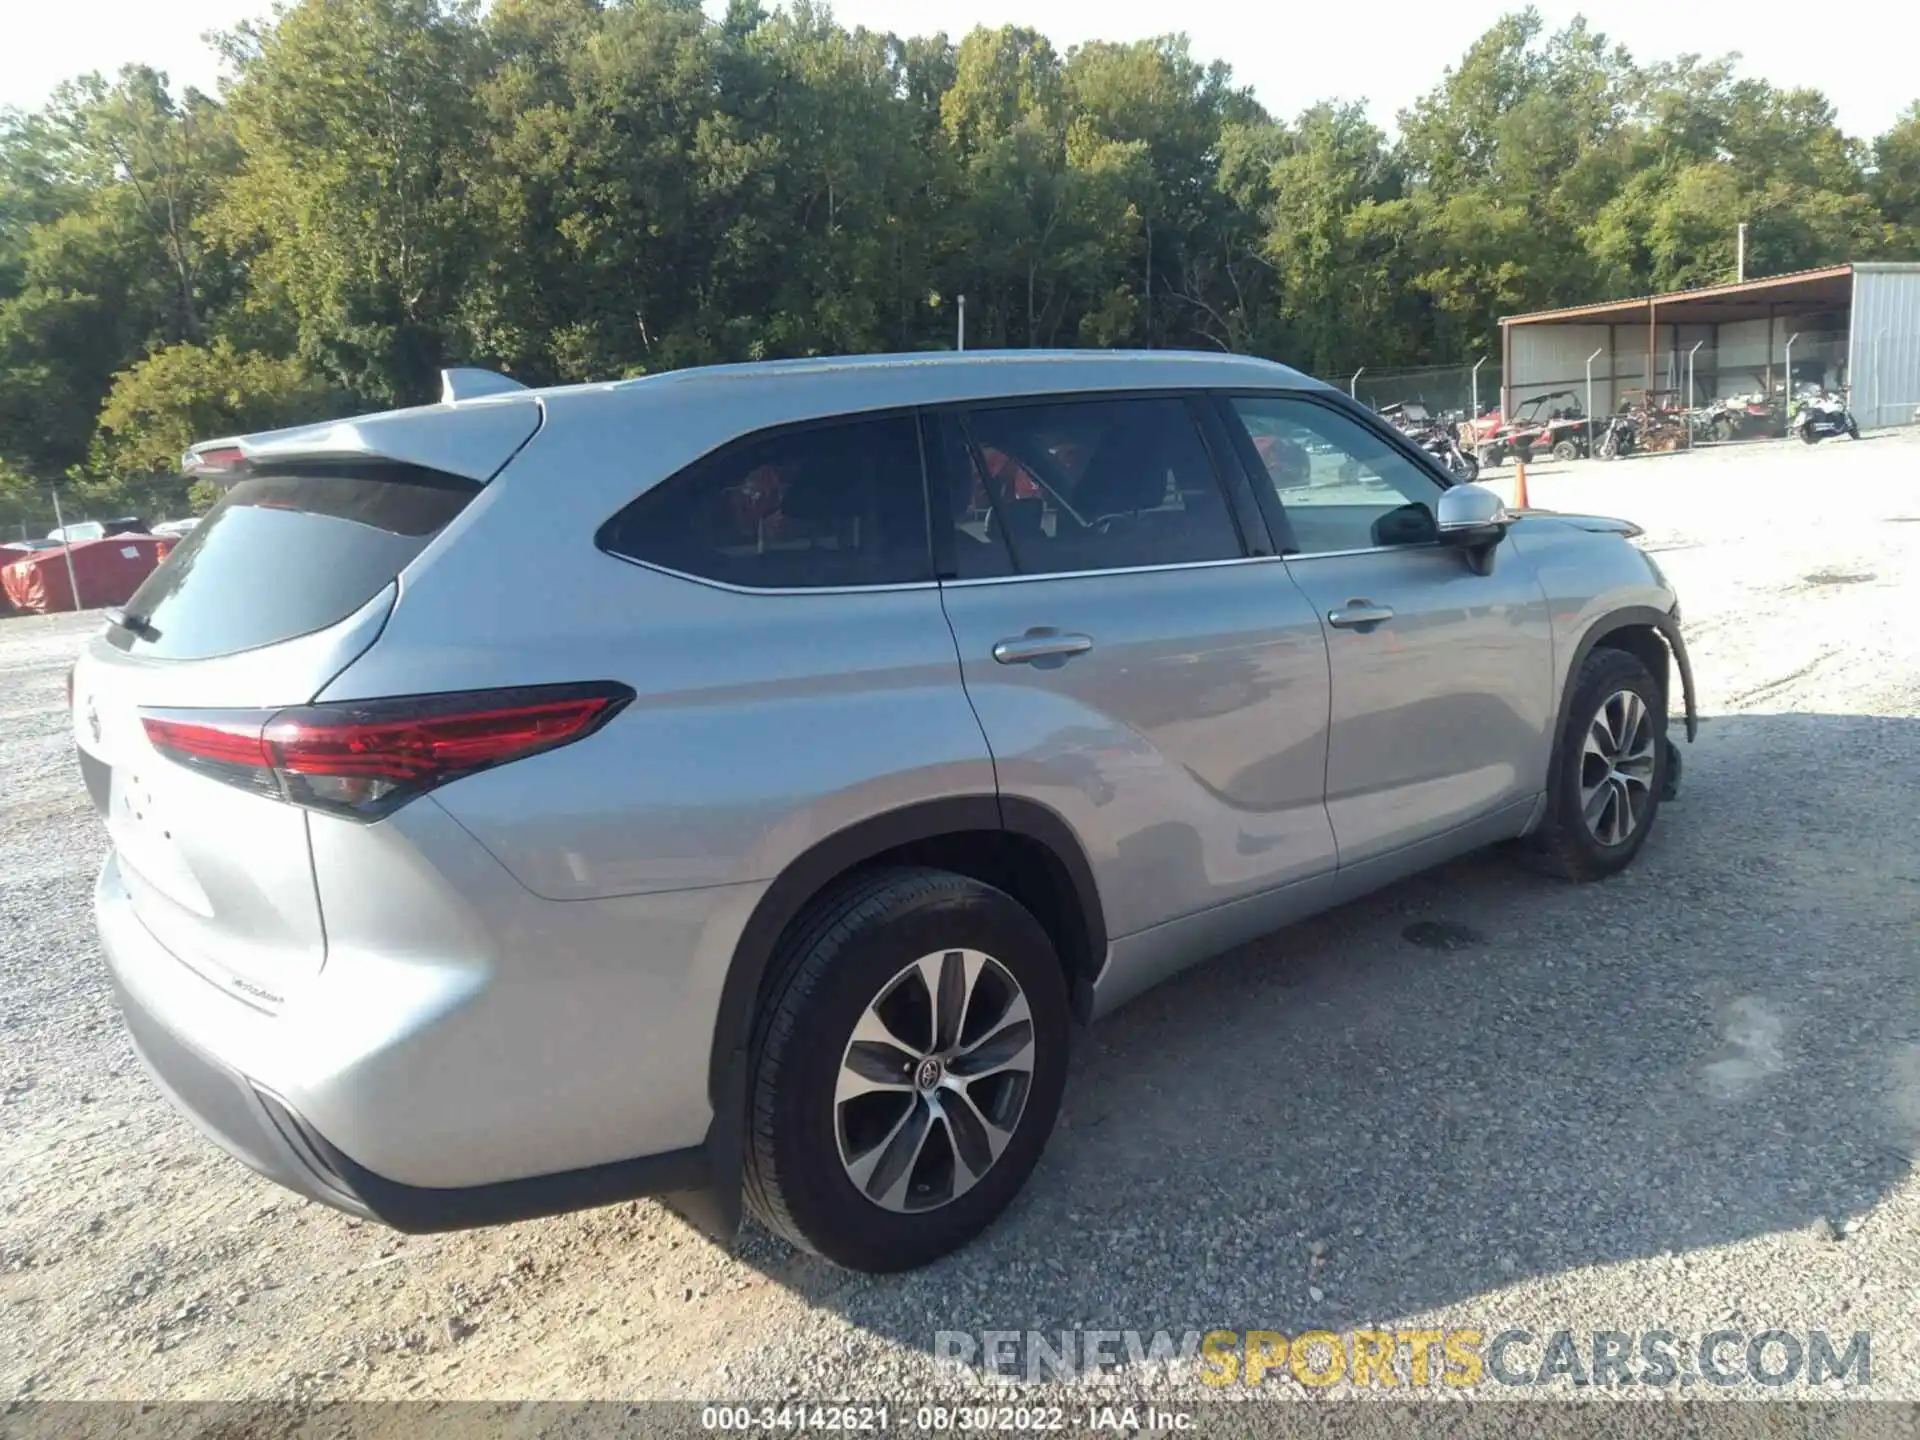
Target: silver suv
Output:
[{"x": 737, "y": 784}]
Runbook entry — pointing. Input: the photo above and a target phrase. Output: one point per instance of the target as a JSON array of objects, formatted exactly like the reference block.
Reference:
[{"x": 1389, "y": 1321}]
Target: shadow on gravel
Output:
[{"x": 1482, "y": 1075}]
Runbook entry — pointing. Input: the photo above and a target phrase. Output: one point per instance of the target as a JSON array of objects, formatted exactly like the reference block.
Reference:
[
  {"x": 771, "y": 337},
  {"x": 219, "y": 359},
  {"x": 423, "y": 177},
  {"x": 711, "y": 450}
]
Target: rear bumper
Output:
[
  {"x": 214, "y": 1058},
  {"x": 228, "y": 1110},
  {"x": 258, "y": 1129}
]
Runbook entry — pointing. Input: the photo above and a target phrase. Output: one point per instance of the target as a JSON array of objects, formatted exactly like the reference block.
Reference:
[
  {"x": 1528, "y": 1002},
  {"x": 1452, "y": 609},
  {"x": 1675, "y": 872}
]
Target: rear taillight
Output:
[
  {"x": 367, "y": 758},
  {"x": 214, "y": 460}
]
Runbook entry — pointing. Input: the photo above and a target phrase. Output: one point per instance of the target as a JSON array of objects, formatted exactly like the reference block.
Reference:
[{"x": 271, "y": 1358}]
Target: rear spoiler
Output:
[{"x": 480, "y": 422}]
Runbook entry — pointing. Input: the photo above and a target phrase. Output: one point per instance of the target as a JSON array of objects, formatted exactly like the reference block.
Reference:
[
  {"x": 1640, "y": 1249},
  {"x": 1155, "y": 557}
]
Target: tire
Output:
[
  {"x": 1807, "y": 435},
  {"x": 1572, "y": 842},
  {"x": 1466, "y": 469},
  {"x": 855, "y": 959},
  {"x": 1723, "y": 431},
  {"x": 1609, "y": 446},
  {"x": 1853, "y": 430},
  {"x": 1566, "y": 450}
]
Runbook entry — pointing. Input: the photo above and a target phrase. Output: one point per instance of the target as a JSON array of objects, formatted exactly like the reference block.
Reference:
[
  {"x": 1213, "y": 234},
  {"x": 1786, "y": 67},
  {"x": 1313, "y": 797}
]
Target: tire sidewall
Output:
[
  {"x": 1621, "y": 672},
  {"x": 840, "y": 1222}
]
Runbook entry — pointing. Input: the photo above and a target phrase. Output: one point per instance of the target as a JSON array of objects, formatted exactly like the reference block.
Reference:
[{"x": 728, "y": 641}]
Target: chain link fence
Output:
[
  {"x": 1704, "y": 386},
  {"x": 1458, "y": 391}
]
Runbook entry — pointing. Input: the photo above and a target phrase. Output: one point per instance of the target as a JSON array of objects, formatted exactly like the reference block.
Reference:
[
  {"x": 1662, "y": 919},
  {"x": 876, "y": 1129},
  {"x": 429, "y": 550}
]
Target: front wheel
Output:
[
  {"x": 907, "y": 1070},
  {"x": 1853, "y": 430},
  {"x": 1609, "y": 446},
  {"x": 1612, "y": 766},
  {"x": 1566, "y": 450},
  {"x": 1465, "y": 468}
]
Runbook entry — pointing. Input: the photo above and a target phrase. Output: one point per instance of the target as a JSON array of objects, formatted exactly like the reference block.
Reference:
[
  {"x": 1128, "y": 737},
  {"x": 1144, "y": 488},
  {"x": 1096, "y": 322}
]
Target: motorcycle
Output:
[
  {"x": 1438, "y": 438},
  {"x": 1441, "y": 443},
  {"x": 1621, "y": 437},
  {"x": 1821, "y": 415}
]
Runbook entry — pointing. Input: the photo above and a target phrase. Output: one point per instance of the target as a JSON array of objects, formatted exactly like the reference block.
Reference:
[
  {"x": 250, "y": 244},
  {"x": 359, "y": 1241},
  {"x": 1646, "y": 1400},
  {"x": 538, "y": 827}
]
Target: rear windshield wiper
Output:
[{"x": 137, "y": 625}]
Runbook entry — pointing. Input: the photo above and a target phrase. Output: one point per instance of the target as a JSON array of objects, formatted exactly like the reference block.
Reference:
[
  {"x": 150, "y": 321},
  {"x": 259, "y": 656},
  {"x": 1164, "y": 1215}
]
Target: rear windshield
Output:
[{"x": 285, "y": 554}]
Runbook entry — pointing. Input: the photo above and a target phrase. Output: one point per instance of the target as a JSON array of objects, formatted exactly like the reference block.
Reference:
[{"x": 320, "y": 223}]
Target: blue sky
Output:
[{"x": 1865, "y": 56}]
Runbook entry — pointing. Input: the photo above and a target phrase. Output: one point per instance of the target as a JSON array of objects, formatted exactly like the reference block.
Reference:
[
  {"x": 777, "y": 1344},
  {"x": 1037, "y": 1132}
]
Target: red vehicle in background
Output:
[{"x": 1552, "y": 424}]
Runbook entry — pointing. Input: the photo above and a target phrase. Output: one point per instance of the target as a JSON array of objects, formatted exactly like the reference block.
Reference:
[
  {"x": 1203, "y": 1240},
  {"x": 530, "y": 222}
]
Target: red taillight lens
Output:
[
  {"x": 213, "y": 461},
  {"x": 366, "y": 758}
]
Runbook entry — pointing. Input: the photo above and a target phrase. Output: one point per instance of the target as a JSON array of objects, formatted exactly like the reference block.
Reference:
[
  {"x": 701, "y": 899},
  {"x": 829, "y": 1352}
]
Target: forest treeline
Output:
[{"x": 576, "y": 189}]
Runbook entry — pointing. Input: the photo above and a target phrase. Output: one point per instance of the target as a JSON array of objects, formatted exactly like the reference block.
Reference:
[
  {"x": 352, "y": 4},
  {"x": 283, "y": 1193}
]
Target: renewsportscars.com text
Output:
[{"x": 1421, "y": 1359}]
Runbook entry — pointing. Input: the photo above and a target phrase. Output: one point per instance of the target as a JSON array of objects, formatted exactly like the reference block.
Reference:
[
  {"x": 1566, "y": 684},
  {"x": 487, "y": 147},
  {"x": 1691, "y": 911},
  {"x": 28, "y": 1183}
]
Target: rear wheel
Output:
[
  {"x": 1808, "y": 435},
  {"x": 907, "y": 1070},
  {"x": 1613, "y": 761}
]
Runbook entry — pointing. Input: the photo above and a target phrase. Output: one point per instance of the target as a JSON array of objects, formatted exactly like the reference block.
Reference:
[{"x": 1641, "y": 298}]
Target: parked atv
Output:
[
  {"x": 1745, "y": 417},
  {"x": 1543, "y": 424}
]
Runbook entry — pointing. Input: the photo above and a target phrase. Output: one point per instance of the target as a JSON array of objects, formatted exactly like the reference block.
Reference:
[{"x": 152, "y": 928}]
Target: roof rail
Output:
[{"x": 466, "y": 383}]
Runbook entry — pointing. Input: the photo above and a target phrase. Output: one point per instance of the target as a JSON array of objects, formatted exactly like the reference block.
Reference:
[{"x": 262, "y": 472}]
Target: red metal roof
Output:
[{"x": 1827, "y": 288}]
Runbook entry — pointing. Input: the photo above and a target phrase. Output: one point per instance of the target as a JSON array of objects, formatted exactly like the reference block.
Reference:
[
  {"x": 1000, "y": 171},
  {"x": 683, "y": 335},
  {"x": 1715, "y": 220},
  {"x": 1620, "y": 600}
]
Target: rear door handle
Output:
[
  {"x": 1359, "y": 615},
  {"x": 1040, "y": 644}
]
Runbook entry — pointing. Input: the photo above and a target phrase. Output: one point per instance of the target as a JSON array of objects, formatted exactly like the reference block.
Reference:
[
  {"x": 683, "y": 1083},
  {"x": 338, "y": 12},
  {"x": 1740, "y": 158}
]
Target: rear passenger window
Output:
[
  {"x": 828, "y": 505},
  {"x": 1086, "y": 485}
]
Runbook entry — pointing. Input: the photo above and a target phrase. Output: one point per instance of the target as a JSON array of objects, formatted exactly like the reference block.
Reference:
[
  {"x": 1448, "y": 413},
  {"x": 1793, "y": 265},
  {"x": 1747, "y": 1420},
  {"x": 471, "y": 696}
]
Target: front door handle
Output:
[
  {"x": 1040, "y": 644},
  {"x": 1359, "y": 615}
]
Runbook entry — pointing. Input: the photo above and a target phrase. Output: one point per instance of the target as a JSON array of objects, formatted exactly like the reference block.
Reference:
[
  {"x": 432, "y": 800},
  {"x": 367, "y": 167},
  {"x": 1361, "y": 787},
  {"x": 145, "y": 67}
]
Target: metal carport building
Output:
[{"x": 1855, "y": 326}]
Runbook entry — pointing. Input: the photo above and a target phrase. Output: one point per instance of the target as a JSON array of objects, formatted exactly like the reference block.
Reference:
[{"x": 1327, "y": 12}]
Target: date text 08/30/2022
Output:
[{"x": 941, "y": 1419}]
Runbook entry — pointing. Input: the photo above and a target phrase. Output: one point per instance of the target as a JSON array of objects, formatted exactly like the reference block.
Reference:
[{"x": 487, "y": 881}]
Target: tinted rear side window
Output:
[
  {"x": 1090, "y": 485},
  {"x": 827, "y": 505},
  {"x": 286, "y": 554}
]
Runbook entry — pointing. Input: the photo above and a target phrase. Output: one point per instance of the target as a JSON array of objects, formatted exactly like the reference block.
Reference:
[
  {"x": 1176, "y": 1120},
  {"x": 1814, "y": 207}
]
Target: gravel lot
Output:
[{"x": 1686, "y": 1099}]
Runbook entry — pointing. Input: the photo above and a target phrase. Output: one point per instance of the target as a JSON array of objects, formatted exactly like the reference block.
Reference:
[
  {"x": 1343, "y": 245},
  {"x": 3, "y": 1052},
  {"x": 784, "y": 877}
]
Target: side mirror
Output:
[{"x": 1473, "y": 518}]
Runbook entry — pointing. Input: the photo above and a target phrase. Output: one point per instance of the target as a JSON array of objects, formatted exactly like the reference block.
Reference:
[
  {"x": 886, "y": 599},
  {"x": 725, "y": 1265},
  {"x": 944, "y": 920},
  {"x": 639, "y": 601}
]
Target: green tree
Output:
[
  {"x": 1895, "y": 184},
  {"x": 358, "y": 124},
  {"x": 186, "y": 393},
  {"x": 101, "y": 255},
  {"x": 580, "y": 189}
]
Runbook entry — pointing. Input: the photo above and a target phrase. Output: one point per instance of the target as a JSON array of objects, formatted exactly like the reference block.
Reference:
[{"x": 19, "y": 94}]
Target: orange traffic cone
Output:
[{"x": 1519, "y": 484}]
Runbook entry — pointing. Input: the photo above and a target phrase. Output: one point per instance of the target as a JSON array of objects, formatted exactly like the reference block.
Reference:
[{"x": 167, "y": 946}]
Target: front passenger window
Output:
[
  {"x": 1077, "y": 485},
  {"x": 1342, "y": 486}
]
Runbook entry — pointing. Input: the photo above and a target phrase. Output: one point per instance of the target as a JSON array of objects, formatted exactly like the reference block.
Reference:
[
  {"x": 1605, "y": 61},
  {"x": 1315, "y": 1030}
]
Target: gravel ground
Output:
[{"x": 1687, "y": 1099}]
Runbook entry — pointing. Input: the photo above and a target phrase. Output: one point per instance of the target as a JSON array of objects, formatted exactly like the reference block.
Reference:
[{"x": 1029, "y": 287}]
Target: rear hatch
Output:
[{"x": 285, "y": 582}]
